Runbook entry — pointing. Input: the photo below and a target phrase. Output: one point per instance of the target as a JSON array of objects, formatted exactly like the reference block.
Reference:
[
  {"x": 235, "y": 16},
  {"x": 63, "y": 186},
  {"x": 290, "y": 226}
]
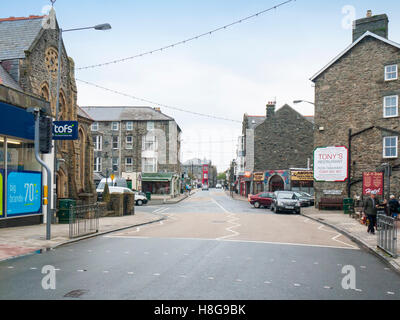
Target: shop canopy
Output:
[{"x": 157, "y": 177}]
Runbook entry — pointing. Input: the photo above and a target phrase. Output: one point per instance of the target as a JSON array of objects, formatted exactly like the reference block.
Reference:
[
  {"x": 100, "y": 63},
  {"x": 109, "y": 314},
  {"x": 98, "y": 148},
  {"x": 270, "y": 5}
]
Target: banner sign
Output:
[
  {"x": 330, "y": 164},
  {"x": 24, "y": 193},
  {"x": 302, "y": 176},
  {"x": 65, "y": 130},
  {"x": 258, "y": 176},
  {"x": 373, "y": 182}
]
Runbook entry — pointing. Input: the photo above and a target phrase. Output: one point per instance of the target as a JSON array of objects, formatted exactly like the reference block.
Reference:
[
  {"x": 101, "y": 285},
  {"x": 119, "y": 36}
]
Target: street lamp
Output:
[
  {"x": 300, "y": 101},
  {"x": 101, "y": 27}
]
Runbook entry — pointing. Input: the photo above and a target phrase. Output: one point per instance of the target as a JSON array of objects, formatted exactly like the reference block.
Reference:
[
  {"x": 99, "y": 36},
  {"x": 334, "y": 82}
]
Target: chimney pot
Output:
[{"x": 369, "y": 13}]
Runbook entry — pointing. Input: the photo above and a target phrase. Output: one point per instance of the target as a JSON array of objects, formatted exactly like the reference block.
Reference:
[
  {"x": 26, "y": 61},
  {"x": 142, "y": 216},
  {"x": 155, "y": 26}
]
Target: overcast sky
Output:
[{"x": 226, "y": 74}]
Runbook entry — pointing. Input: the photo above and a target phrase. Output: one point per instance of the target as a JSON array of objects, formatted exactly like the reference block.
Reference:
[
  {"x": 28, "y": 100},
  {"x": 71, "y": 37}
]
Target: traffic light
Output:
[{"x": 45, "y": 134}]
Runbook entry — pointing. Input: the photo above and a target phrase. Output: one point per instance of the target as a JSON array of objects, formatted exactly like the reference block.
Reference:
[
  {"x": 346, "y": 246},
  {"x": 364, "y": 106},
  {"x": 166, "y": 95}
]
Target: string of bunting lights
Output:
[{"x": 186, "y": 40}]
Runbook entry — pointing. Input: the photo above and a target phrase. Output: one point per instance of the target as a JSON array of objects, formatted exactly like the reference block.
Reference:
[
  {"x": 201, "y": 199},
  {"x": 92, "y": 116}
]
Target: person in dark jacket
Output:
[
  {"x": 393, "y": 206},
  {"x": 370, "y": 208}
]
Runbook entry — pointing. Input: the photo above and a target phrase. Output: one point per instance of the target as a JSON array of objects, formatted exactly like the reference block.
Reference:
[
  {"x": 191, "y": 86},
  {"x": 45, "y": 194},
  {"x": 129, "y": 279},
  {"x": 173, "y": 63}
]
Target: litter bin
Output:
[
  {"x": 348, "y": 205},
  {"x": 64, "y": 208},
  {"x": 148, "y": 195}
]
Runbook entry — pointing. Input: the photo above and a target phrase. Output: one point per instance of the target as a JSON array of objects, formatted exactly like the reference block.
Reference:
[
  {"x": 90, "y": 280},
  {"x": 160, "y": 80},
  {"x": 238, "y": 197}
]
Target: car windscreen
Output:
[{"x": 285, "y": 196}]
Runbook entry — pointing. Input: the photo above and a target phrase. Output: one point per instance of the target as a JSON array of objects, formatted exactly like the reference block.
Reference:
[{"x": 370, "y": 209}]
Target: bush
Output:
[{"x": 106, "y": 193}]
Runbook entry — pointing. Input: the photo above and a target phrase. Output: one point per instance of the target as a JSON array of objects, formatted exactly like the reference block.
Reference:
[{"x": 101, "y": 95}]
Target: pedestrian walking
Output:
[
  {"x": 370, "y": 210},
  {"x": 393, "y": 206}
]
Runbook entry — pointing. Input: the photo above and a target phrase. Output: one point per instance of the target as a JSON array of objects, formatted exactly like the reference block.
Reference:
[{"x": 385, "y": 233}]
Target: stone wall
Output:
[
  {"x": 349, "y": 95},
  {"x": 283, "y": 141}
]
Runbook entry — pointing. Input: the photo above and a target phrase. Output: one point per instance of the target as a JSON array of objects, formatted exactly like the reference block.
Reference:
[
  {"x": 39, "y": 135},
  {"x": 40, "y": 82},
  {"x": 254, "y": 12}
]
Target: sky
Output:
[{"x": 226, "y": 74}]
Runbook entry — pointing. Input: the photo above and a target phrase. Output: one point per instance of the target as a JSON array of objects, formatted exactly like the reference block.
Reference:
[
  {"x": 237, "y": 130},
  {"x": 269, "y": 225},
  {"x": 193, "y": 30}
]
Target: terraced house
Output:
[
  {"x": 140, "y": 144},
  {"x": 359, "y": 91}
]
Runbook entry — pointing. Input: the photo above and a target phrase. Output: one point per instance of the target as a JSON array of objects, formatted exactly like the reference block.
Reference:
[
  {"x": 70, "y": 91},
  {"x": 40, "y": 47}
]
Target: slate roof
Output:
[
  {"x": 366, "y": 34},
  {"x": 128, "y": 113},
  {"x": 83, "y": 114},
  {"x": 17, "y": 35},
  {"x": 7, "y": 80},
  {"x": 254, "y": 121}
]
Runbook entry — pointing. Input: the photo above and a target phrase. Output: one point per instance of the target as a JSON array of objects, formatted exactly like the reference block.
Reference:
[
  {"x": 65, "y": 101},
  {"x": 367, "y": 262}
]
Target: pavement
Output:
[{"x": 354, "y": 229}]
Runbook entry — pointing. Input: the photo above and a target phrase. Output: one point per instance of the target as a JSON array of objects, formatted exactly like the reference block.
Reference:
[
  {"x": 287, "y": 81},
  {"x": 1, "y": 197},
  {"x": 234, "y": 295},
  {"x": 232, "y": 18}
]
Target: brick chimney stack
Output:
[
  {"x": 378, "y": 24},
  {"x": 271, "y": 109}
]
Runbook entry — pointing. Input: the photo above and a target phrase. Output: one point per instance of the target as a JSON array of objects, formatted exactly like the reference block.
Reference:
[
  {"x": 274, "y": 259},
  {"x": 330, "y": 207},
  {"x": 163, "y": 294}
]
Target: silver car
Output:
[{"x": 285, "y": 201}]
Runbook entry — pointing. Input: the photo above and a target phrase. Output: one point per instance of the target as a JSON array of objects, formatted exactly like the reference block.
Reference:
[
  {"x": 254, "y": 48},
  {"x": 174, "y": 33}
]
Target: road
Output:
[{"x": 207, "y": 247}]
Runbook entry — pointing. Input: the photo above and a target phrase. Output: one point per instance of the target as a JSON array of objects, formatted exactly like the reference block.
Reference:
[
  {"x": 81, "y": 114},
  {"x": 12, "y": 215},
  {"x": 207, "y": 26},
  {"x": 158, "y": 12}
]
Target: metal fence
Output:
[
  {"x": 83, "y": 220},
  {"x": 387, "y": 234}
]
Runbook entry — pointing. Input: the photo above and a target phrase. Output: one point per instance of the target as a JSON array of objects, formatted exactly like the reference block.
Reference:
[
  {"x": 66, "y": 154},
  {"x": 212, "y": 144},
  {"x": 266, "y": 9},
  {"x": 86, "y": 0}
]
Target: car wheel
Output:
[
  {"x": 276, "y": 210},
  {"x": 256, "y": 204},
  {"x": 139, "y": 202},
  {"x": 297, "y": 212}
]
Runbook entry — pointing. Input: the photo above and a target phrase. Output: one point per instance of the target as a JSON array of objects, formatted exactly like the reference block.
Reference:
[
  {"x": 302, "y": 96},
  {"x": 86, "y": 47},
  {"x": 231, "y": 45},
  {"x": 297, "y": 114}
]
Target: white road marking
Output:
[
  {"x": 363, "y": 267},
  {"x": 238, "y": 280},
  {"x": 316, "y": 263},
  {"x": 267, "y": 282},
  {"x": 156, "y": 274},
  {"x": 182, "y": 276},
  {"x": 244, "y": 241},
  {"x": 358, "y": 290},
  {"x": 293, "y": 261},
  {"x": 390, "y": 292},
  {"x": 130, "y": 272},
  {"x": 33, "y": 268},
  {"x": 210, "y": 278},
  {"x": 327, "y": 287},
  {"x": 10, "y": 267},
  {"x": 335, "y": 237},
  {"x": 296, "y": 284},
  {"x": 105, "y": 271}
]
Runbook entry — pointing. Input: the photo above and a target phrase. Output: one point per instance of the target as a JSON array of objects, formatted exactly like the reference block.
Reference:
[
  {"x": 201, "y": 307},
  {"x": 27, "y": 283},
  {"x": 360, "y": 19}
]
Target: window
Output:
[
  {"x": 391, "y": 72},
  {"x": 97, "y": 164},
  {"x": 115, "y": 142},
  {"x": 115, "y": 163},
  {"x": 114, "y": 126},
  {"x": 95, "y": 126},
  {"x": 390, "y": 106},
  {"x": 150, "y": 125},
  {"x": 129, "y": 142},
  {"x": 390, "y": 147},
  {"x": 149, "y": 143},
  {"x": 149, "y": 165},
  {"x": 128, "y": 164},
  {"x": 129, "y": 126},
  {"x": 97, "y": 141}
]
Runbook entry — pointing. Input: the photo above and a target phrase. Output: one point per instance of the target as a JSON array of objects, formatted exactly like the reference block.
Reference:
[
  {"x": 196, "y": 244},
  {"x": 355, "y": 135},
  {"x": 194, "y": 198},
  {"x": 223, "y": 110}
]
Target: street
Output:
[{"x": 210, "y": 246}]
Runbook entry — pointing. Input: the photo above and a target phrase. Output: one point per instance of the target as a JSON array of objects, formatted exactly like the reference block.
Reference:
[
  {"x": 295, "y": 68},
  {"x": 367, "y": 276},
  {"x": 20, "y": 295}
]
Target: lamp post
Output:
[
  {"x": 102, "y": 27},
  {"x": 300, "y": 101}
]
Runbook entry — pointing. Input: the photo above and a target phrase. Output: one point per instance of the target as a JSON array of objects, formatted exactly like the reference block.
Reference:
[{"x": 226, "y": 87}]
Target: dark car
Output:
[
  {"x": 310, "y": 198},
  {"x": 304, "y": 201},
  {"x": 263, "y": 199},
  {"x": 285, "y": 201}
]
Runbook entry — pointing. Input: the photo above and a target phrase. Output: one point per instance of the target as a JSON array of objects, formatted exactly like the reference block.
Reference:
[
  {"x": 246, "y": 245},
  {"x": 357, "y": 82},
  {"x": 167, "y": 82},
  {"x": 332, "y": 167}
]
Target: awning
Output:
[{"x": 157, "y": 177}]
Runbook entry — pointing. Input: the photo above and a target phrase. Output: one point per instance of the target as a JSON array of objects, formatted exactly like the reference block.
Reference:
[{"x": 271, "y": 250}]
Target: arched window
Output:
[{"x": 62, "y": 111}]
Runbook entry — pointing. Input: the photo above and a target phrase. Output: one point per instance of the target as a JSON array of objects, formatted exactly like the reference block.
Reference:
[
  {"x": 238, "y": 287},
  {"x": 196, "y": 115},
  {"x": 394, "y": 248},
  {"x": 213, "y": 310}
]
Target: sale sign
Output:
[
  {"x": 373, "y": 182},
  {"x": 330, "y": 163}
]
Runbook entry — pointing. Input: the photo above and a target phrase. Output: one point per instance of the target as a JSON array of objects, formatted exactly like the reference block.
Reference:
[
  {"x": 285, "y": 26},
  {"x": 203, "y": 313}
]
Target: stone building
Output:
[
  {"x": 141, "y": 144},
  {"x": 194, "y": 168},
  {"x": 29, "y": 55},
  {"x": 359, "y": 90},
  {"x": 284, "y": 140}
]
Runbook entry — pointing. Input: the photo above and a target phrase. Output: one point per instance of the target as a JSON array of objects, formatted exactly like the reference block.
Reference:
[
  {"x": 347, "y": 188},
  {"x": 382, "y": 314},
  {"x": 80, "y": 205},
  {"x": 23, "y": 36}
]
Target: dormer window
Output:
[{"x": 391, "y": 72}]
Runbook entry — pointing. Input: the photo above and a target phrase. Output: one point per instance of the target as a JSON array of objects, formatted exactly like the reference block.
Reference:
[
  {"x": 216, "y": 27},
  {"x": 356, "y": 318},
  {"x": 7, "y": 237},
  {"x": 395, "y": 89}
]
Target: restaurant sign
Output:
[
  {"x": 302, "y": 176},
  {"x": 373, "y": 182},
  {"x": 330, "y": 164}
]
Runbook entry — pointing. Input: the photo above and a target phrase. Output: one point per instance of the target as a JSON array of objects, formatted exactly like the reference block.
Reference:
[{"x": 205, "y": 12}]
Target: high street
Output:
[{"x": 210, "y": 246}]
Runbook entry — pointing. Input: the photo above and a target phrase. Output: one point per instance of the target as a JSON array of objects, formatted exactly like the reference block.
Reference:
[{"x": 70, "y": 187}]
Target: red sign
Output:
[{"x": 373, "y": 182}]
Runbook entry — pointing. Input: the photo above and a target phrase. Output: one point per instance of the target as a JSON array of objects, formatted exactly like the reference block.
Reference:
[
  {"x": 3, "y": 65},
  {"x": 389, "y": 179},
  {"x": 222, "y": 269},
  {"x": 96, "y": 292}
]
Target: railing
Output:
[
  {"x": 83, "y": 220},
  {"x": 387, "y": 234}
]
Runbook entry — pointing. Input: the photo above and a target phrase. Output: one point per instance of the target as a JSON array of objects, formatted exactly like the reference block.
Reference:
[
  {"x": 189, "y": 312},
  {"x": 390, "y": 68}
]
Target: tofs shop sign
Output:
[
  {"x": 373, "y": 182},
  {"x": 65, "y": 130},
  {"x": 330, "y": 164}
]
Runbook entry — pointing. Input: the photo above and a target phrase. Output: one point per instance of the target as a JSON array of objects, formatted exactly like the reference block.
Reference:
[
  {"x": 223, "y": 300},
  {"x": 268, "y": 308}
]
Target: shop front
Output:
[
  {"x": 160, "y": 184},
  {"x": 20, "y": 173},
  {"x": 245, "y": 184},
  {"x": 277, "y": 180},
  {"x": 258, "y": 182},
  {"x": 302, "y": 180}
]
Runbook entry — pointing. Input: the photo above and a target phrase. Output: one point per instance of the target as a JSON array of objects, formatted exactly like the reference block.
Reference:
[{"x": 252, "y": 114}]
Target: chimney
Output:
[
  {"x": 270, "y": 109},
  {"x": 157, "y": 109},
  {"x": 378, "y": 24}
]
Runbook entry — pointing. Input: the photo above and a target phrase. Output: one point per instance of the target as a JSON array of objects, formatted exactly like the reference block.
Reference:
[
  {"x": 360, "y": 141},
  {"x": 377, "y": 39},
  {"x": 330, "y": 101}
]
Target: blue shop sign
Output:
[
  {"x": 24, "y": 193},
  {"x": 16, "y": 122},
  {"x": 65, "y": 130}
]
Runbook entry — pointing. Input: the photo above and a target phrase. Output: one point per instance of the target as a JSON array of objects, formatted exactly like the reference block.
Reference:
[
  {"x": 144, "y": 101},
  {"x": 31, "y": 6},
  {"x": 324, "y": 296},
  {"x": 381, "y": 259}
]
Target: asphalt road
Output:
[{"x": 208, "y": 247}]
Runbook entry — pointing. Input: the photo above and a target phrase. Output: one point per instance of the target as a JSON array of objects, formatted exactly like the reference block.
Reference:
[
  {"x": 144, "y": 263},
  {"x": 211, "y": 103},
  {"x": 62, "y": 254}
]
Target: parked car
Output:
[
  {"x": 285, "y": 201},
  {"x": 117, "y": 182},
  {"x": 140, "y": 198},
  {"x": 304, "y": 201},
  {"x": 218, "y": 186},
  {"x": 309, "y": 197},
  {"x": 204, "y": 187},
  {"x": 263, "y": 199}
]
